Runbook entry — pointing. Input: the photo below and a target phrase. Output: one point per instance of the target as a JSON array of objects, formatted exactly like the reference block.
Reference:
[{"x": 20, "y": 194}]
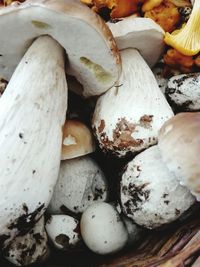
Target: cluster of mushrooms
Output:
[{"x": 52, "y": 191}]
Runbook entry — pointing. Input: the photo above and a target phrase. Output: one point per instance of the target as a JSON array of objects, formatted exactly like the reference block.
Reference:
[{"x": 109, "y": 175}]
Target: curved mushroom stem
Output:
[{"x": 32, "y": 114}]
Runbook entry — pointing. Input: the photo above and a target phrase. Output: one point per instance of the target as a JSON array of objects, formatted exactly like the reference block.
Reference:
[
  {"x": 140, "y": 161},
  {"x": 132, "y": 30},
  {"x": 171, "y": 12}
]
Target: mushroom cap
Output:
[
  {"x": 63, "y": 231},
  {"x": 143, "y": 34},
  {"x": 151, "y": 195},
  {"x": 183, "y": 92},
  {"x": 80, "y": 183},
  {"x": 77, "y": 140},
  {"x": 102, "y": 229},
  {"x": 82, "y": 33},
  {"x": 179, "y": 144}
]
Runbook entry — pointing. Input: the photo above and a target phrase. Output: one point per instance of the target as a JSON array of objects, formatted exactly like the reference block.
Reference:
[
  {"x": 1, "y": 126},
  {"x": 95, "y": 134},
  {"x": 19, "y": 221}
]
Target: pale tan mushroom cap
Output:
[
  {"x": 179, "y": 143},
  {"x": 77, "y": 140}
]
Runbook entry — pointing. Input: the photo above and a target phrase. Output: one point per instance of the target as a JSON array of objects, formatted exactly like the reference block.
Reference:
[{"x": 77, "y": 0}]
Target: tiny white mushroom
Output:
[
  {"x": 183, "y": 92},
  {"x": 77, "y": 140},
  {"x": 80, "y": 183},
  {"x": 29, "y": 248},
  {"x": 63, "y": 231},
  {"x": 150, "y": 194},
  {"x": 102, "y": 229},
  {"x": 127, "y": 117}
]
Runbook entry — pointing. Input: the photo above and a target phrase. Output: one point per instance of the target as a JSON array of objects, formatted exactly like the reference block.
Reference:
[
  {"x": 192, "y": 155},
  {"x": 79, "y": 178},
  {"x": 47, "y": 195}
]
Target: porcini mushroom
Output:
[
  {"x": 127, "y": 118},
  {"x": 150, "y": 194},
  {"x": 81, "y": 182},
  {"x": 77, "y": 140},
  {"x": 33, "y": 107},
  {"x": 179, "y": 144},
  {"x": 143, "y": 34},
  {"x": 28, "y": 248},
  {"x": 86, "y": 58},
  {"x": 102, "y": 229},
  {"x": 187, "y": 39},
  {"x": 63, "y": 231},
  {"x": 183, "y": 92}
]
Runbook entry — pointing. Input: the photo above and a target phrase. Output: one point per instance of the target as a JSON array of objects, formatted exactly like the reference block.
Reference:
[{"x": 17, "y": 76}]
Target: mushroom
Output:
[
  {"x": 183, "y": 92},
  {"x": 80, "y": 183},
  {"x": 33, "y": 107},
  {"x": 187, "y": 39},
  {"x": 86, "y": 58},
  {"x": 77, "y": 140},
  {"x": 150, "y": 194},
  {"x": 63, "y": 231},
  {"x": 128, "y": 116},
  {"x": 143, "y": 34},
  {"x": 28, "y": 248},
  {"x": 102, "y": 229},
  {"x": 179, "y": 144}
]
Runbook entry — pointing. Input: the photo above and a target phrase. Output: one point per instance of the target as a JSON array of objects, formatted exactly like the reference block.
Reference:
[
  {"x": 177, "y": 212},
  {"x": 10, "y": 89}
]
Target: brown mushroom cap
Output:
[
  {"x": 77, "y": 140},
  {"x": 179, "y": 143}
]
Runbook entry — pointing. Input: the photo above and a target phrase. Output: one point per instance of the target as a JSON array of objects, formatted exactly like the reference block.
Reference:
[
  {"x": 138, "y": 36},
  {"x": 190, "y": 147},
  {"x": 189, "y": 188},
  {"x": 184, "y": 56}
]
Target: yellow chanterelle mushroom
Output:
[{"x": 187, "y": 39}]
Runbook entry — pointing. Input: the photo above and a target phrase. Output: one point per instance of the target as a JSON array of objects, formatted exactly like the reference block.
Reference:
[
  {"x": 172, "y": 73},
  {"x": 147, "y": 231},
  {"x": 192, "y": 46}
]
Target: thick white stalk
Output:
[{"x": 32, "y": 113}]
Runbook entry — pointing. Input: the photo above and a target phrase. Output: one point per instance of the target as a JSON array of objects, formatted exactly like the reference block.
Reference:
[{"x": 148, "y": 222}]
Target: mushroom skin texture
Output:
[
  {"x": 29, "y": 248},
  {"x": 77, "y": 140},
  {"x": 59, "y": 19},
  {"x": 80, "y": 183},
  {"x": 63, "y": 231},
  {"x": 135, "y": 32},
  {"x": 127, "y": 117},
  {"x": 183, "y": 92},
  {"x": 102, "y": 229},
  {"x": 31, "y": 135},
  {"x": 150, "y": 194},
  {"x": 179, "y": 145}
]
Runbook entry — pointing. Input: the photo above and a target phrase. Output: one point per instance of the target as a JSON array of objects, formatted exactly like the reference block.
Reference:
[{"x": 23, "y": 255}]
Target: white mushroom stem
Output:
[
  {"x": 32, "y": 114},
  {"x": 150, "y": 194},
  {"x": 127, "y": 118},
  {"x": 29, "y": 248}
]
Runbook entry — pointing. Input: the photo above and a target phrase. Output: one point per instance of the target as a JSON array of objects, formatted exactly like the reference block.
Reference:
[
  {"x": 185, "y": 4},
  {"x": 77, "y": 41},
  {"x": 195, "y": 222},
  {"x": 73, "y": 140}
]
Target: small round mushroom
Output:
[
  {"x": 135, "y": 32},
  {"x": 80, "y": 183},
  {"x": 183, "y": 92},
  {"x": 32, "y": 247},
  {"x": 102, "y": 229},
  {"x": 150, "y": 194},
  {"x": 179, "y": 145},
  {"x": 127, "y": 117},
  {"x": 63, "y": 231},
  {"x": 77, "y": 140}
]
